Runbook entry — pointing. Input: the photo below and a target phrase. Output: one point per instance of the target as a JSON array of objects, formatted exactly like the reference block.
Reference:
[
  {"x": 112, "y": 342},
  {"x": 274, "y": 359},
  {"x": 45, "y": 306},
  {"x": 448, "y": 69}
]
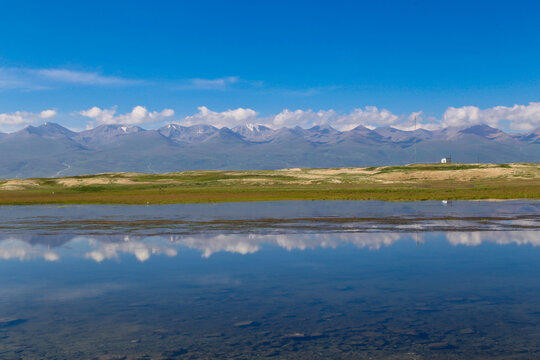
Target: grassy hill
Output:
[{"x": 393, "y": 183}]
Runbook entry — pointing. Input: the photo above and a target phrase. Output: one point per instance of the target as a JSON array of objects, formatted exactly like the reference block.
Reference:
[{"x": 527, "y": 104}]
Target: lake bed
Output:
[{"x": 314, "y": 280}]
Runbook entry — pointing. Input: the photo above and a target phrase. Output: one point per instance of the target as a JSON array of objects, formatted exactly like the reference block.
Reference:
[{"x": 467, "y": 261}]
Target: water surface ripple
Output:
[{"x": 283, "y": 280}]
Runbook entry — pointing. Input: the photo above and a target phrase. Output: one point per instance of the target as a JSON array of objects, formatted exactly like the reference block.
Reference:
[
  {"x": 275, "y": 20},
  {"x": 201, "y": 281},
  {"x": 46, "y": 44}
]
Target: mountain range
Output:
[{"x": 51, "y": 150}]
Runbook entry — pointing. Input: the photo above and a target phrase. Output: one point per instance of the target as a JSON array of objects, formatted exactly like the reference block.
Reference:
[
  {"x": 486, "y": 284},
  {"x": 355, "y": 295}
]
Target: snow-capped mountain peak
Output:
[{"x": 256, "y": 127}]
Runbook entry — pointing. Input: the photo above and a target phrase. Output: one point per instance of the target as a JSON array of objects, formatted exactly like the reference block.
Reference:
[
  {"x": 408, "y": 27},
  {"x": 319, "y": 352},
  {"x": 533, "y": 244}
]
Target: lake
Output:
[{"x": 283, "y": 280}]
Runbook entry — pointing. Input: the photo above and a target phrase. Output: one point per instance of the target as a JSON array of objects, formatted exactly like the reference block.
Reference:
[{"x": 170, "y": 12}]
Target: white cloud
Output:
[
  {"x": 47, "y": 114},
  {"x": 223, "y": 83},
  {"x": 212, "y": 84},
  {"x": 227, "y": 118},
  {"x": 16, "y": 78},
  {"x": 141, "y": 250},
  {"x": 16, "y": 118},
  {"x": 499, "y": 237},
  {"x": 370, "y": 241},
  {"x": 520, "y": 117},
  {"x": 138, "y": 115},
  {"x": 220, "y": 243},
  {"x": 15, "y": 249},
  {"x": 417, "y": 120},
  {"x": 51, "y": 256},
  {"x": 304, "y": 92},
  {"x": 12, "y": 121},
  {"x": 108, "y": 248},
  {"x": 370, "y": 116},
  {"x": 81, "y": 77},
  {"x": 248, "y": 244},
  {"x": 48, "y": 78},
  {"x": 252, "y": 243},
  {"x": 303, "y": 118},
  {"x": 102, "y": 249},
  {"x": 42, "y": 79}
]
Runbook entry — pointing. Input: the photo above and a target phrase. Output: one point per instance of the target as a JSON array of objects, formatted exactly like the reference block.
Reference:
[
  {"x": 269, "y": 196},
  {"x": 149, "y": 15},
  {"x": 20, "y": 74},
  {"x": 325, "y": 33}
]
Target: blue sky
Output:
[{"x": 261, "y": 59}]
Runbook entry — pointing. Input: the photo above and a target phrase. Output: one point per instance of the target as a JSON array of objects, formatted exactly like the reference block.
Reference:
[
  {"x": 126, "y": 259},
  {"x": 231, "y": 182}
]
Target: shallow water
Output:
[{"x": 336, "y": 280}]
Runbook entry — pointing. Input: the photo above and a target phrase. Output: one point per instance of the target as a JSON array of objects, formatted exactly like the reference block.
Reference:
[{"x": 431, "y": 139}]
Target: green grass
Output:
[
  {"x": 230, "y": 186},
  {"x": 434, "y": 167}
]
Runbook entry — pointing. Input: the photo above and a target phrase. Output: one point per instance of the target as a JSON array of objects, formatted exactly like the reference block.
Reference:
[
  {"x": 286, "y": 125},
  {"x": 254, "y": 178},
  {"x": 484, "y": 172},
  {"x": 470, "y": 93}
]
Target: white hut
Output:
[{"x": 446, "y": 160}]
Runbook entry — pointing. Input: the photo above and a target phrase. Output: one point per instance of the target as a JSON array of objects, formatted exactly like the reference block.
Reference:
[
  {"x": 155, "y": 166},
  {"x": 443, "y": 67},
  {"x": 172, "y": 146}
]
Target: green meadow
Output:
[{"x": 390, "y": 183}]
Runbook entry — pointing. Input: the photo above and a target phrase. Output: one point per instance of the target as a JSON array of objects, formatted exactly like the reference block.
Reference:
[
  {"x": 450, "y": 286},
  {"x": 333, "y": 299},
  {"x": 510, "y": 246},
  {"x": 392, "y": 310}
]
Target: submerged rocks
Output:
[
  {"x": 245, "y": 324},
  {"x": 301, "y": 336}
]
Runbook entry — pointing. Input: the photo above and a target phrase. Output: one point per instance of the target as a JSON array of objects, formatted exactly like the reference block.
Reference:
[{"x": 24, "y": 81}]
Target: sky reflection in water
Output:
[
  {"x": 281, "y": 292},
  {"x": 100, "y": 248}
]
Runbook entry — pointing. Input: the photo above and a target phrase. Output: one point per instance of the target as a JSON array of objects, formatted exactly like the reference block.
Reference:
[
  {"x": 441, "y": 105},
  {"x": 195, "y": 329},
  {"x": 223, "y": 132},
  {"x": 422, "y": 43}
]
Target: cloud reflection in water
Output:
[
  {"x": 12, "y": 248},
  {"x": 501, "y": 238},
  {"x": 141, "y": 249},
  {"x": 113, "y": 247}
]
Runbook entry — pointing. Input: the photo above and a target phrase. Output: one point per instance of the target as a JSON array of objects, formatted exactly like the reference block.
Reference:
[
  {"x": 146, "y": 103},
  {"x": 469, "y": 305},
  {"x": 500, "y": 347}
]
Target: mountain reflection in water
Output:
[
  {"x": 100, "y": 248},
  {"x": 305, "y": 280}
]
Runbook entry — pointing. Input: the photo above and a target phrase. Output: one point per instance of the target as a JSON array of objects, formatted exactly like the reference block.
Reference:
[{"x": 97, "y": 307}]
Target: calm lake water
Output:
[{"x": 284, "y": 280}]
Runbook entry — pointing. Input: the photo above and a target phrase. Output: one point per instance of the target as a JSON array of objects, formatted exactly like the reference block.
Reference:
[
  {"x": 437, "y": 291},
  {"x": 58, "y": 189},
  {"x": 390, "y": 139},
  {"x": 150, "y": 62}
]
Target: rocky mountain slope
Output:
[{"x": 52, "y": 150}]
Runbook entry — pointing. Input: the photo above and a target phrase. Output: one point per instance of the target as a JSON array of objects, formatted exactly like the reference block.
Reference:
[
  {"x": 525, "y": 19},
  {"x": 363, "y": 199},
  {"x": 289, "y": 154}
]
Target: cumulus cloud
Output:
[
  {"x": 220, "y": 243},
  {"x": 227, "y": 118},
  {"x": 141, "y": 250},
  {"x": 520, "y": 117},
  {"x": 111, "y": 248},
  {"x": 371, "y": 241},
  {"x": 15, "y": 249},
  {"x": 369, "y": 116},
  {"x": 107, "y": 248},
  {"x": 47, "y": 114},
  {"x": 11, "y": 121},
  {"x": 249, "y": 244},
  {"x": 303, "y": 118},
  {"x": 498, "y": 237},
  {"x": 138, "y": 115}
]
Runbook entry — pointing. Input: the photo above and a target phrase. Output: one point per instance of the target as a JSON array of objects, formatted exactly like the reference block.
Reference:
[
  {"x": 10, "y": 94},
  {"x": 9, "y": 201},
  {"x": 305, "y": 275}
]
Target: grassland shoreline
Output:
[{"x": 416, "y": 182}]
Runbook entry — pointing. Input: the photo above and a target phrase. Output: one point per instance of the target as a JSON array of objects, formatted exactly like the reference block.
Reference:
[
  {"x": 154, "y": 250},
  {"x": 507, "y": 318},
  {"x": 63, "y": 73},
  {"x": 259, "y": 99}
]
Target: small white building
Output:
[{"x": 446, "y": 160}]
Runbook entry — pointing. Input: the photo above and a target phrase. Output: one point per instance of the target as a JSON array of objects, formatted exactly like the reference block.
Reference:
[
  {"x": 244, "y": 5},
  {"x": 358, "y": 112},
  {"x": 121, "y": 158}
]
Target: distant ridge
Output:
[{"x": 52, "y": 150}]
